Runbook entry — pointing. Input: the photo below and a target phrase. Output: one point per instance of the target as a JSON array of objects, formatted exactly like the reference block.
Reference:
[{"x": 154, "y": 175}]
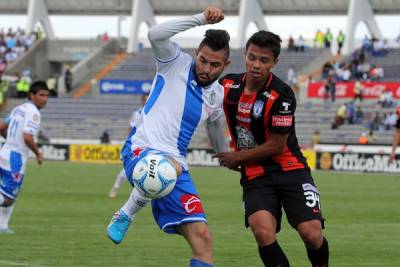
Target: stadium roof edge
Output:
[{"x": 186, "y": 7}]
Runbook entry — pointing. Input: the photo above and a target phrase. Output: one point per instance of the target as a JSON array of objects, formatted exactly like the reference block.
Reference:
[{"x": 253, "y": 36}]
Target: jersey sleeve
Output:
[
  {"x": 32, "y": 123},
  {"x": 219, "y": 98},
  {"x": 282, "y": 115}
]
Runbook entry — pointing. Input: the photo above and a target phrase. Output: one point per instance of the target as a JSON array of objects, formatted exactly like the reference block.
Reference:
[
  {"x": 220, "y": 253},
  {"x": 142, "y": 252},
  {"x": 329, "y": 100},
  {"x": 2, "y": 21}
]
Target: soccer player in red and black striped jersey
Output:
[
  {"x": 396, "y": 136},
  {"x": 274, "y": 173}
]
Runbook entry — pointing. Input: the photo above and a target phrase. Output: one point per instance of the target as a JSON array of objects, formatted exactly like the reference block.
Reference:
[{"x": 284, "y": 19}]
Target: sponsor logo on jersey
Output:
[
  {"x": 282, "y": 121},
  {"x": 245, "y": 138},
  {"x": 257, "y": 109},
  {"x": 268, "y": 95},
  {"x": 191, "y": 204}
]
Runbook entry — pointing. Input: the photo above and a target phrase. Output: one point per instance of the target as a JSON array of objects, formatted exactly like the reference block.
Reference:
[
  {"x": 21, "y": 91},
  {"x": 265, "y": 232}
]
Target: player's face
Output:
[
  {"x": 209, "y": 65},
  {"x": 40, "y": 98},
  {"x": 259, "y": 62}
]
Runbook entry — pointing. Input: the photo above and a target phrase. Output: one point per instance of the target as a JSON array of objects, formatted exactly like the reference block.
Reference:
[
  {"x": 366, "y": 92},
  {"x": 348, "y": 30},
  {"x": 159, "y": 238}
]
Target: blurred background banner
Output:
[{"x": 111, "y": 86}]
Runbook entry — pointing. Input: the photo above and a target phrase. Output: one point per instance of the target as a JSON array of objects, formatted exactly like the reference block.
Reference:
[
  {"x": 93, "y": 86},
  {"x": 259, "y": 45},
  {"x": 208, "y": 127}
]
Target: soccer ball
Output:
[{"x": 154, "y": 176}]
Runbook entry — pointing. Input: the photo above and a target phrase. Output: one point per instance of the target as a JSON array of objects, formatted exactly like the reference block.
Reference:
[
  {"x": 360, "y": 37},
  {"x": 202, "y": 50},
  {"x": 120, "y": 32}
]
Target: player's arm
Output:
[
  {"x": 396, "y": 142},
  {"x": 30, "y": 142},
  {"x": 4, "y": 128},
  {"x": 215, "y": 132},
  {"x": 160, "y": 34}
]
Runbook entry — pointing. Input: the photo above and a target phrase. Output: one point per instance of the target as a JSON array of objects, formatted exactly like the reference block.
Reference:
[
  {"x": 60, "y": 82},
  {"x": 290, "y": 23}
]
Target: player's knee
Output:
[
  {"x": 312, "y": 237},
  {"x": 8, "y": 202},
  {"x": 264, "y": 236},
  {"x": 205, "y": 235}
]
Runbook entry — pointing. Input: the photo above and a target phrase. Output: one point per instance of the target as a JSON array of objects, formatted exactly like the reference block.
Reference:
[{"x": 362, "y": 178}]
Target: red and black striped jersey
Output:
[{"x": 253, "y": 118}]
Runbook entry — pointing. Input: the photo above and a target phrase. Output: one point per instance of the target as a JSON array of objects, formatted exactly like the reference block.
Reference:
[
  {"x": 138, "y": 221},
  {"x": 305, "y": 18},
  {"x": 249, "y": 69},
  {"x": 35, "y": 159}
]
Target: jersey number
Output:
[{"x": 13, "y": 129}]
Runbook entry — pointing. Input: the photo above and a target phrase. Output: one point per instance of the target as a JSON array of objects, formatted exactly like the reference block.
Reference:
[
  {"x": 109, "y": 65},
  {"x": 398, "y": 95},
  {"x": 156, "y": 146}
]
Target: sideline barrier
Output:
[
  {"x": 372, "y": 90},
  {"x": 356, "y": 158}
]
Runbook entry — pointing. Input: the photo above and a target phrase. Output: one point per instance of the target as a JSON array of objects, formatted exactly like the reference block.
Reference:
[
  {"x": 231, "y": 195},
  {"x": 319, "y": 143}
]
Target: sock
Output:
[
  {"x": 5, "y": 216},
  {"x": 319, "y": 257},
  {"x": 135, "y": 203},
  {"x": 120, "y": 178},
  {"x": 273, "y": 256},
  {"x": 199, "y": 263},
  {"x": 2, "y": 199}
]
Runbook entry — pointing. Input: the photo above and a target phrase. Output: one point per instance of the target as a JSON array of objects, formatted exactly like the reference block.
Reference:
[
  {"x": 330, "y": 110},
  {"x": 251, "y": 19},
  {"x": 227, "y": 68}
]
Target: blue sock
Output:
[{"x": 199, "y": 263}]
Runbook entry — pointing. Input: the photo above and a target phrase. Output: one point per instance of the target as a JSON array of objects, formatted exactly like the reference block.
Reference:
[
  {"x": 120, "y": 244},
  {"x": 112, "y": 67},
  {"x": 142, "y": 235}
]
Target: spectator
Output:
[
  {"x": 105, "y": 137},
  {"x": 366, "y": 44},
  {"x": 105, "y": 37},
  {"x": 340, "y": 116},
  {"x": 390, "y": 121},
  {"x": 386, "y": 100},
  {"x": 363, "y": 139},
  {"x": 291, "y": 76},
  {"x": 23, "y": 86},
  {"x": 358, "y": 91},
  {"x": 331, "y": 83},
  {"x": 68, "y": 79},
  {"x": 4, "y": 85},
  {"x": 52, "y": 85},
  {"x": 300, "y": 45},
  {"x": 359, "y": 116},
  {"x": 371, "y": 137},
  {"x": 319, "y": 39},
  {"x": 351, "y": 112},
  {"x": 340, "y": 41},
  {"x": 328, "y": 38},
  {"x": 315, "y": 138},
  {"x": 291, "y": 45},
  {"x": 376, "y": 73}
]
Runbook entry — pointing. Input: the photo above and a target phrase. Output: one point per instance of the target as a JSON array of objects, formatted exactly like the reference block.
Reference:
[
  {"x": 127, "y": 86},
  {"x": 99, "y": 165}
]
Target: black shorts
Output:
[{"x": 295, "y": 191}]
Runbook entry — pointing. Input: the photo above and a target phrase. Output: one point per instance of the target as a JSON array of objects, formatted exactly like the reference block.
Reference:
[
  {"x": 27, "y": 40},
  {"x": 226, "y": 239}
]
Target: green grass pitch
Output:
[{"x": 63, "y": 210}]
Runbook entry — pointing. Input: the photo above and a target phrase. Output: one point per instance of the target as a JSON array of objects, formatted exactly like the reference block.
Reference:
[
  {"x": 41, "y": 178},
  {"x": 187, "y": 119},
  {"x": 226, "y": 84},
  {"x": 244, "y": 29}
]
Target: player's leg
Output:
[
  {"x": 263, "y": 215},
  {"x": 301, "y": 201},
  {"x": 9, "y": 189},
  {"x": 199, "y": 238},
  {"x": 117, "y": 184},
  {"x": 122, "y": 219},
  {"x": 5, "y": 215},
  {"x": 181, "y": 212}
]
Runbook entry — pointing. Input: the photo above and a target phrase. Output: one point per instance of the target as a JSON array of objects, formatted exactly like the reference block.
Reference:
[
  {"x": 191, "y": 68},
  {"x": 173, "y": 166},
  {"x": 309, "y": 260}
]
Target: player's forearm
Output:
[
  {"x": 159, "y": 35},
  {"x": 30, "y": 142},
  {"x": 3, "y": 129},
  {"x": 215, "y": 131},
  {"x": 166, "y": 30},
  {"x": 266, "y": 150}
]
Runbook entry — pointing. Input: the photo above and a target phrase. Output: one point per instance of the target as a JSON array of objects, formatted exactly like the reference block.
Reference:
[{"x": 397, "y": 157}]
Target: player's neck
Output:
[{"x": 253, "y": 86}]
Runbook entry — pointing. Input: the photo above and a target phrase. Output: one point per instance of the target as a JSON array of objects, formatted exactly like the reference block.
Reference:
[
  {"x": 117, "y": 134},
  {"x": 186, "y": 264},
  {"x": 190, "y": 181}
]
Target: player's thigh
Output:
[
  {"x": 183, "y": 205},
  {"x": 196, "y": 233},
  {"x": 300, "y": 197},
  {"x": 260, "y": 195},
  {"x": 11, "y": 183}
]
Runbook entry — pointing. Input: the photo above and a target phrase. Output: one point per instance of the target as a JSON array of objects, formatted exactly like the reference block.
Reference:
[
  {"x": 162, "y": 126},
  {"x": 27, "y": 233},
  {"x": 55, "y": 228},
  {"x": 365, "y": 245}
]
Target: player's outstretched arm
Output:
[
  {"x": 159, "y": 35},
  {"x": 30, "y": 142}
]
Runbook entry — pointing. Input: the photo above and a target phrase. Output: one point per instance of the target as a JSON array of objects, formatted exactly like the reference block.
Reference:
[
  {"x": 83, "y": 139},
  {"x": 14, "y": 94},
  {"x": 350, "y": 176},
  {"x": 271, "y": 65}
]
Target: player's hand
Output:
[
  {"x": 39, "y": 158},
  {"x": 230, "y": 160},
  {"x": 213, "y": 14},
  {"x": 392, "y": 157}
]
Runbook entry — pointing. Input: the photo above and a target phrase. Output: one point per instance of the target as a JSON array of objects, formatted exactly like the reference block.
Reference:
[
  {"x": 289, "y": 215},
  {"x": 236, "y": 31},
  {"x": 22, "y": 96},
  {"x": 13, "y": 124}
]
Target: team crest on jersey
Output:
[
  {"x": 257, "y": 108},
  {"x": 35, "y": 117},
  {"x": 212, "y": 97}
]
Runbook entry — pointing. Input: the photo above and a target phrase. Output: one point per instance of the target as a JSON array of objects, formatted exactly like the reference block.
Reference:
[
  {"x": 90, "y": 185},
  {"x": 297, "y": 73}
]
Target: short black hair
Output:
[
  {"x": 216, "y": 40},
  {"x": 266, "y": 39},
  {"x": 37, "y": 86}
]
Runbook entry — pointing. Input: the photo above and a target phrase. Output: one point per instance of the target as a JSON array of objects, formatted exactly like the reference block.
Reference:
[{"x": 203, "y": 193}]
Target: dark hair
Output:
[
  {"x": 37, "y": 86},
  {"x": 216, "y": 40},
  {"x": 268, "y": 40}
]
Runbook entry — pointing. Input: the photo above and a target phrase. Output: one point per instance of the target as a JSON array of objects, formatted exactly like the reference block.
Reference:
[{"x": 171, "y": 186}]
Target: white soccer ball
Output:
[{"x": 154, "y": 176}]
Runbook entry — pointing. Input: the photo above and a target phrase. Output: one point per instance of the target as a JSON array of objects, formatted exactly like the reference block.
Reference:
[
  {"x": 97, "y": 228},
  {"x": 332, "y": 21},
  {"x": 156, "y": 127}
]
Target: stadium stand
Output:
[{"x": 141, "y": 66}]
